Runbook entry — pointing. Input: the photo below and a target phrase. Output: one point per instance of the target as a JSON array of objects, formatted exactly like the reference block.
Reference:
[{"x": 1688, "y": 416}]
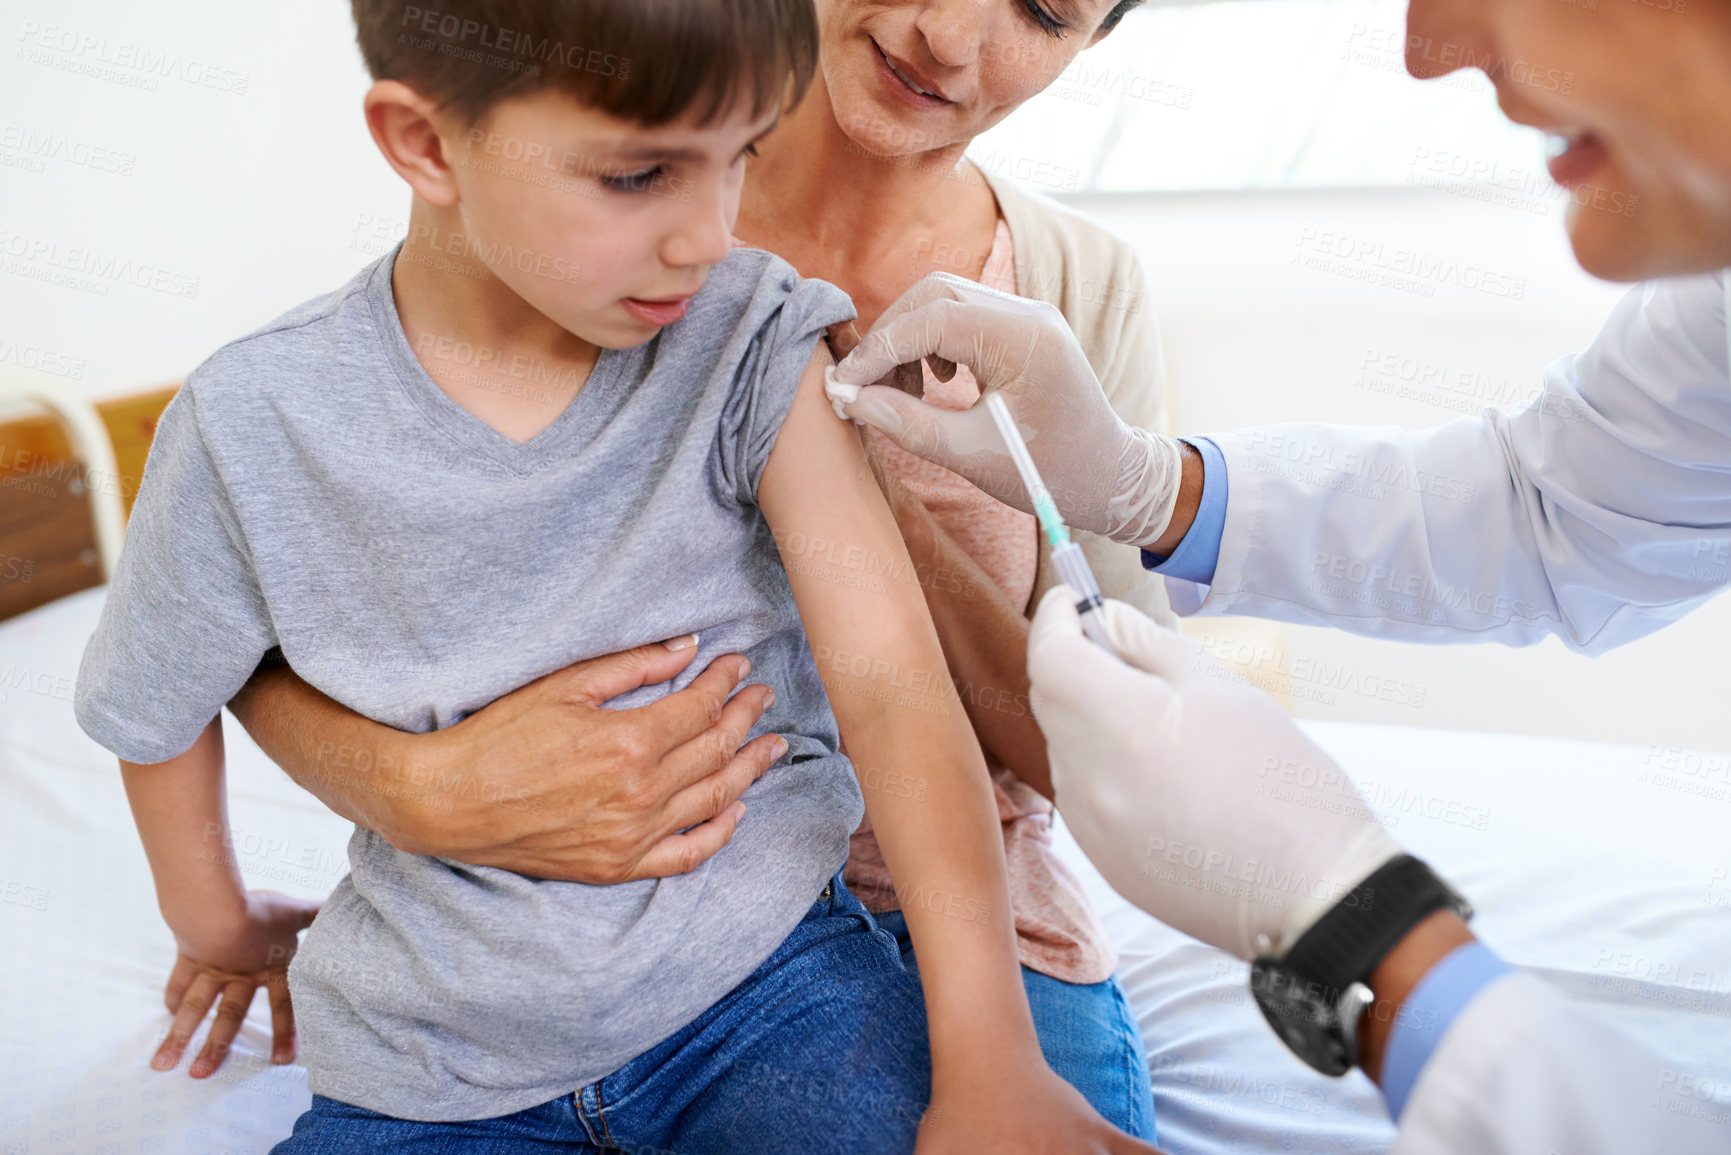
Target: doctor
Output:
[{"x": 1599, "y": 513}]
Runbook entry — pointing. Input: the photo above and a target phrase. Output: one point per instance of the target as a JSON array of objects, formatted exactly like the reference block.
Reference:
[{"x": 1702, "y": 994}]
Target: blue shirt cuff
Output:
[
  {"x": 1427, "y": 1013},
  {"x": 1197, "y": 555}
]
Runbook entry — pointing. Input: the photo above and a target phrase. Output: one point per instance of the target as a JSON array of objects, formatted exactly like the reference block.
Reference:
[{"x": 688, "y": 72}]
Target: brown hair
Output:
[{"x": 648, "y": 61}]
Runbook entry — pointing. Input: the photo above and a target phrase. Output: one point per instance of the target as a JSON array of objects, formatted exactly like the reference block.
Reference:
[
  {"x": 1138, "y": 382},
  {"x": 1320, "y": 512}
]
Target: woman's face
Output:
[
  {"x": 1637, "y": 95},
  {"x": 910, "y": 76}
]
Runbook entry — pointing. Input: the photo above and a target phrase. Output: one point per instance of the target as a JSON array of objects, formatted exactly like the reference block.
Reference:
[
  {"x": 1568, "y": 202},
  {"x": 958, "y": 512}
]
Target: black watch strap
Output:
[{"x": 1345, "y": 945}]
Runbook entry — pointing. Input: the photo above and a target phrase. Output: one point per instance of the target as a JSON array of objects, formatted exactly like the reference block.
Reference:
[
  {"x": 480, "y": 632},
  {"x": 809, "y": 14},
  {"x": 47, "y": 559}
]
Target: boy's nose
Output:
[{"x": 706, "y": 236}]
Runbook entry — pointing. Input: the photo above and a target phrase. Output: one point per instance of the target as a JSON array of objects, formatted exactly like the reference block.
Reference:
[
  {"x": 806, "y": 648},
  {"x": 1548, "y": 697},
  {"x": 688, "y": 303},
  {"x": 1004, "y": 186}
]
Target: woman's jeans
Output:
[
  {"x": 821, "y": 1051},
  {"x": 1088, "y": 1035}
]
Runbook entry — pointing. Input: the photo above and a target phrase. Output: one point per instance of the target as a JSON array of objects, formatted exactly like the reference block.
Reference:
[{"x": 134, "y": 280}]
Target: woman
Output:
[{"x": 864, "y": 185}]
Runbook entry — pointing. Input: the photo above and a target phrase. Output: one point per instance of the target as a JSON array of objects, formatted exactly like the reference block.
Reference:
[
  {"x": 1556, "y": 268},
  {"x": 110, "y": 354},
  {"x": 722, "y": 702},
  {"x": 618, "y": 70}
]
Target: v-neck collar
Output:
[{"x": 576, "y": 424}]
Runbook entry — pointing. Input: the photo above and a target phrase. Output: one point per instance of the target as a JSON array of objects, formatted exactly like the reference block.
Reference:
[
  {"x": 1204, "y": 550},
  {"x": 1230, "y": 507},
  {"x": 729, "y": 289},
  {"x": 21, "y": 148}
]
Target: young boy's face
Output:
[{"x": 604, "y": 226}]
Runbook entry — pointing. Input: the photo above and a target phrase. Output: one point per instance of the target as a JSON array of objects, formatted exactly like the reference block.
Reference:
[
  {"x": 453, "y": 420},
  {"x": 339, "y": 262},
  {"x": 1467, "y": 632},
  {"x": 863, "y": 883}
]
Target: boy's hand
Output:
[
  {"x": 233, "y": 965},
  {"x": 1029, "y": 1110}
]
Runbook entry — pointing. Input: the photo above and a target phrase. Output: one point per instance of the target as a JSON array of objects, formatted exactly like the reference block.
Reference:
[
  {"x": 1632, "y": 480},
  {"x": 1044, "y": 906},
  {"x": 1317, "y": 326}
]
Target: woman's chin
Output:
[{"x": 871, "y": 127}]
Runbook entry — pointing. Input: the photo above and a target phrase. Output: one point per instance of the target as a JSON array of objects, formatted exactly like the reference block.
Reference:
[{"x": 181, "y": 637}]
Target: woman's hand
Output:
[
  {"x": 547, "y": 781},
  {"x": 1026, "y": 1110},
  {"x": 232, "y": 964}
]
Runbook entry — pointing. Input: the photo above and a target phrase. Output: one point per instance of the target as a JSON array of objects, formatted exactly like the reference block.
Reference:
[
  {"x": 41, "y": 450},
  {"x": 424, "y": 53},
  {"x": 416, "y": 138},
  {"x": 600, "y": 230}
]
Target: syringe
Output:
[{"x": 1066, "y": 554}]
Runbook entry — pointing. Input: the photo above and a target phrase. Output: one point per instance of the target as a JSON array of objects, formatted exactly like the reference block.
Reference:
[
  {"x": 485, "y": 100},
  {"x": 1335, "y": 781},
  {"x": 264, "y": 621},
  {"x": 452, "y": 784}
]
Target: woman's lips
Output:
[
  {"x": 1573, "y": 157},
  {"x": 657, "y": 313},
  {"x": 906, "y": 89}
]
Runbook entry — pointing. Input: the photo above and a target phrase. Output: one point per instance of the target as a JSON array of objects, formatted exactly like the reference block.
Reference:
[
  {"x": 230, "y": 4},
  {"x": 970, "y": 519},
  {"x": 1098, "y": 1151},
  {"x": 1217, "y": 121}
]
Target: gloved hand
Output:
[
  {"x": 1194, "y": 794},
  {"x": 1106, "y": 476}
]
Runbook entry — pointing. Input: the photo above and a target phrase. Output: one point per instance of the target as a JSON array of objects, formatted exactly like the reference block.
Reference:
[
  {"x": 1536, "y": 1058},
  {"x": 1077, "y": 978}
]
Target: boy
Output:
[{"x": 348, "y": 486}]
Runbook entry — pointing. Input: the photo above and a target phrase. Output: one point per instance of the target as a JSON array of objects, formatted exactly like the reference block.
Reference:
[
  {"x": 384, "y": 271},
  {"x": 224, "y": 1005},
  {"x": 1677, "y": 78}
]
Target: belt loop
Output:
[{"x": 585, "y": 1100}]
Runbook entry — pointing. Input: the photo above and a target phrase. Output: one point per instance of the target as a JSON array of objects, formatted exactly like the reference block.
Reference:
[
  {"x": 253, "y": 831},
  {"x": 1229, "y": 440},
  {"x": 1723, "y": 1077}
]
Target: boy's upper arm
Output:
[
  {"x": 816, "y": 480},
  {"x": 845, "y": 558},
  {"x": 812, "y": 446}
]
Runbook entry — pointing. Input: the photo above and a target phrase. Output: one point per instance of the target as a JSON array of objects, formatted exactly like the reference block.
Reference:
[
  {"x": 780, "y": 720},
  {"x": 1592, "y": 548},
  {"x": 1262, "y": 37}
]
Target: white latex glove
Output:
[
  {"x": 1194, "y": 794},
  {"x": 1106, "y": 476}
]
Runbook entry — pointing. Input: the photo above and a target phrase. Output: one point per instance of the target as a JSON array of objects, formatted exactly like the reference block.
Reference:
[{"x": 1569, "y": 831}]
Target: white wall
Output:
[
  {"x": 1252, "y": 337},
  {"x": 247, "y": 167}
]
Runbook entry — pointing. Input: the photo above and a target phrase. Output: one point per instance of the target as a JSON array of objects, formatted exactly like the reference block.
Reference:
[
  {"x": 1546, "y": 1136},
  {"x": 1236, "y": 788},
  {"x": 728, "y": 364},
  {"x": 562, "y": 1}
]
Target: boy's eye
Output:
[
  {"x": 1043, "y": 19},
  {"x": 748, "y": 150},
  {"x": 633, "y": 181}
]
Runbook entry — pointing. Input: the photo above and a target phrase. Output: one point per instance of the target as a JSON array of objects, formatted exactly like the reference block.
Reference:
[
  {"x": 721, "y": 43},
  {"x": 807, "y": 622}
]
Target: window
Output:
[{"x": 1264, "y": 94}]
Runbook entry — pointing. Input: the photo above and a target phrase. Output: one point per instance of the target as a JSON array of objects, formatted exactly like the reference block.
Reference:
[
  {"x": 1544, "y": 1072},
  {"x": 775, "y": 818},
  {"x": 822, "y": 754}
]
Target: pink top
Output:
[{"x": 1057, "y": 931}]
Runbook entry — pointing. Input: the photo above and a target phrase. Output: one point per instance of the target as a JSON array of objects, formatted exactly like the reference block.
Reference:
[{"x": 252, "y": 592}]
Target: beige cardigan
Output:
[{"x": 1096, "y": 280}]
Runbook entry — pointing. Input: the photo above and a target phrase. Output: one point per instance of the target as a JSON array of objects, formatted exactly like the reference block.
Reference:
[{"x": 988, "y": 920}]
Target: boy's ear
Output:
[{"x": 406, "y": 127}]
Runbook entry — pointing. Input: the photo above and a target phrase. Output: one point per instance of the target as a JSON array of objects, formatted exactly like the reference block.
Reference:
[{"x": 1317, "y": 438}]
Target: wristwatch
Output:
[{"x": 1314, "y": 995}]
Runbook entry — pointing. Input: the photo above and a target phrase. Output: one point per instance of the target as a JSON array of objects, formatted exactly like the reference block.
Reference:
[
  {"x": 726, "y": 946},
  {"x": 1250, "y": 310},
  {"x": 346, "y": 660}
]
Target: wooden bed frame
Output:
[{"x": 48, "y": 543}]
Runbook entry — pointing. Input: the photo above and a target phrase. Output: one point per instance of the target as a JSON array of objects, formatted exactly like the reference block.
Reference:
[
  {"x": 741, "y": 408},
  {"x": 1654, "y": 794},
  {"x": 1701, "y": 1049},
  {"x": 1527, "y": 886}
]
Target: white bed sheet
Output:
[{"x": 1612, "y": 885}]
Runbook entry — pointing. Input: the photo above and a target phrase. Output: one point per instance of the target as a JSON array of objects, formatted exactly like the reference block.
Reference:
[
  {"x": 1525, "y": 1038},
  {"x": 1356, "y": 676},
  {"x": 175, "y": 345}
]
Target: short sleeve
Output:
[
  {"x": 184, "y": 625},
  {"x": 794, "y": 314}
]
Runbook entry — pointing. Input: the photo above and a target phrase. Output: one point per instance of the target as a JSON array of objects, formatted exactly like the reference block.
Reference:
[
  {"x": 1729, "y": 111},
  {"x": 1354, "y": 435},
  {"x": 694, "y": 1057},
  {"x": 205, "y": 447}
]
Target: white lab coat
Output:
[
  {"x": 1522, "y": 1071},
  {"x": 1599, "y": 513}
]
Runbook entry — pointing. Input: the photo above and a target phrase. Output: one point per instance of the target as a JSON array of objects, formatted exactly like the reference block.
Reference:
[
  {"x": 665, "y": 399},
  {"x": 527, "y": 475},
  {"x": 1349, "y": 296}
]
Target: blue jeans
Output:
[
  {"x": 1088, "y": 1035},
  {"x": 821, "y": 1051}
]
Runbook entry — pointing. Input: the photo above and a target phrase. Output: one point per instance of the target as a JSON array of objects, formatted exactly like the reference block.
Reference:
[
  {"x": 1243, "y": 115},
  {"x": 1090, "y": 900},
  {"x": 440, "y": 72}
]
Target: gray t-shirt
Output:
[{"x": 312, "y": 489}]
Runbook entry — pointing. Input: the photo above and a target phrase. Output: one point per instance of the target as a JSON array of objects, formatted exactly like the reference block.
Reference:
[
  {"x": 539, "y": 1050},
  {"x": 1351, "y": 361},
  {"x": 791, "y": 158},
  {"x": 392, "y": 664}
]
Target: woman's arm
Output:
[
  {"x": 883, "y": 667},
  {"x": 289, "y": 719},
  {"x": 544, "y": 781}
]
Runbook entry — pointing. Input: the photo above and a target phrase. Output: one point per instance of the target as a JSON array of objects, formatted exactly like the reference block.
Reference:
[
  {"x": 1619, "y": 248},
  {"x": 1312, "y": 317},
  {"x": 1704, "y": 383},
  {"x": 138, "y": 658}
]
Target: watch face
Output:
[{"x": 1303, "y": 1014}]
